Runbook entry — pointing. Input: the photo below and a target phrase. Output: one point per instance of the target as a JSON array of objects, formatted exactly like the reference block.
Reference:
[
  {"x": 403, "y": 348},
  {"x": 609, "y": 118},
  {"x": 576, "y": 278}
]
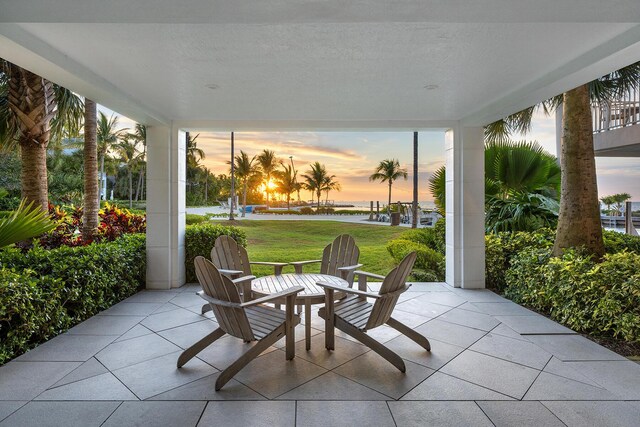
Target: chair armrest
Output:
[
  {"x": 311, "y": 261},
  {"x": 215, "y": 301},
  {"x": 350, "y": 267},
  {"x": 278, "y": 295},
  {"x": 297, "y": 265},
  {"x": 278, "y": 264},
  {"x": 348, "y": 290},
  {"x": 367, "y": 274},
  {"x": 230, "y": 272},
  {"x": 243, "y": 279}
]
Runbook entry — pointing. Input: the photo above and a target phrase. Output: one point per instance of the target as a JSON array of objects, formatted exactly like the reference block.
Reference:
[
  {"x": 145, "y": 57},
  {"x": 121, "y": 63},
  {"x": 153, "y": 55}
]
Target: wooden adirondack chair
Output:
[
  {"x": 355, "y": 316},
  {"x": 232, "y": 260},
  {"x": 339, "y": 259},
  {"x": 249, "y": 321}
]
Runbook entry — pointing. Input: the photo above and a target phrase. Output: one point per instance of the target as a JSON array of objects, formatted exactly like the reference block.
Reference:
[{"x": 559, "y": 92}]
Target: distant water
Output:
[{"x": 365, "y": 204}]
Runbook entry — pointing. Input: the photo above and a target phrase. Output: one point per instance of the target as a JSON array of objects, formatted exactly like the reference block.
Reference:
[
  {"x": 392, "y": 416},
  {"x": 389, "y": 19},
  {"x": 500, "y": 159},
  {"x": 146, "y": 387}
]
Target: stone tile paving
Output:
[{"x": 492, "y": 363}]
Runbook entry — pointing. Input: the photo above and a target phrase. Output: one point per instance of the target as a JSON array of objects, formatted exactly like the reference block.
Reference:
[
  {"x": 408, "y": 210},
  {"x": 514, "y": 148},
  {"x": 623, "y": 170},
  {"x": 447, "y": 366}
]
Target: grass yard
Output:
[{"x": 286, "y": 241}]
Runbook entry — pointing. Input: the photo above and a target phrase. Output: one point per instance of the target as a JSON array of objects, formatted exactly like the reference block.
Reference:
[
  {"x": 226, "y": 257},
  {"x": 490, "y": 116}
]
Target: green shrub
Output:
[
  {"x": 615, "y": 242},
  {"x": 500, "y": 248},
  {"x": 601, "y": 299},
  {"x": 58, "y": 288},
  {"x": 429, "y": 264},
  {"x": 426, "y": 236},
  {"x": 199, "y": 240},
  {"x": 195, "y": 219},
  {"x": 31, "y": 311},
  {"x": 306, "y": 210}
]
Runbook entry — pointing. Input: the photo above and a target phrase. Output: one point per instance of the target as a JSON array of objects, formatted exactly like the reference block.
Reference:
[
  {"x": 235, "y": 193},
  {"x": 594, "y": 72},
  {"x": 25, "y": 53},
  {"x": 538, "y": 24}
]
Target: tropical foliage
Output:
[
  {"x": 522, "y": 185},
  {"x": 26, "y": 222},
  {"x": 317, "y": 180}
]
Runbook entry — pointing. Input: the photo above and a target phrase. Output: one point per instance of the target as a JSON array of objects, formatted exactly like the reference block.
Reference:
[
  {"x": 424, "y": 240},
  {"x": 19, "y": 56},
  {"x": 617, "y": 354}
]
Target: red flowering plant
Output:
[{"x": 114, "y": 222}]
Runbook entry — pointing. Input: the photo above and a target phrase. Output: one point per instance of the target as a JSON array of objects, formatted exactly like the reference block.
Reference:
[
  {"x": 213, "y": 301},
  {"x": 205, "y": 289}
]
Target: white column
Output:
[
  {"x": 165, "y": 207},
  {"x": 465, "y": 250}
]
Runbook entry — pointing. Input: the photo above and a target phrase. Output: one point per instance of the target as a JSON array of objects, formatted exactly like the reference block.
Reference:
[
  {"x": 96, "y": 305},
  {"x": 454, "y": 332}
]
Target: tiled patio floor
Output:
[{"x": 492, "y": 363}]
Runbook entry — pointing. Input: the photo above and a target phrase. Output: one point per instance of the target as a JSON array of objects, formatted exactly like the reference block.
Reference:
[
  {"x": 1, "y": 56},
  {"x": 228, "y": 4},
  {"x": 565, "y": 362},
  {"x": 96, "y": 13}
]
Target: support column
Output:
[
  {"x": 465, "y": 248},
  {"x": 166, "y": 173}
]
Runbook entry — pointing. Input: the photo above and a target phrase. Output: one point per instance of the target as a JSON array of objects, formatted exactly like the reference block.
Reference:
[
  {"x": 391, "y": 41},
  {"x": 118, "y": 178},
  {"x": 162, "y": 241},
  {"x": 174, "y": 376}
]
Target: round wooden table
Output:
[{"x": 312, "y": 293}]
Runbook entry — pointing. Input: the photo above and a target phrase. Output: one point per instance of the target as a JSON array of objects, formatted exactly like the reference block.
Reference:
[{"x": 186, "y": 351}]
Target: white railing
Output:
[{"x": 618, "y": 113}]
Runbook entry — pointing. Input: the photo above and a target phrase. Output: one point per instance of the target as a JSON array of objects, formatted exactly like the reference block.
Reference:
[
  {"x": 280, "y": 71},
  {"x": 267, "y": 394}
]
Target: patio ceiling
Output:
[{"x": 320, "y": 65}]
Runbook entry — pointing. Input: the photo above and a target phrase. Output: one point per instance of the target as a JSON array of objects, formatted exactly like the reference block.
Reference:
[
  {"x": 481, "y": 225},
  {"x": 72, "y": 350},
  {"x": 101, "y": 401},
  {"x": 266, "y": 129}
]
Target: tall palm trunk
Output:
[
  {"x": 91, "y": 189},
  {"x": 579, "y": 217},
  {"x": 32, "y": 99},
  {"x": 102, "y": 179},
  {"x": 319, "y": 194},
  {"x": 130, "y": 188},
  {"x": 389, "y": 204},
  {"x": 244, "y": 197}
]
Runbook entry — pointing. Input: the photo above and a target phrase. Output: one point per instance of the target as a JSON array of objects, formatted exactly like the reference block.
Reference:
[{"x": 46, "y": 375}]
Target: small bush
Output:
[
  {"x": 500, "y": 248},
  {"x": 601, "y": 299},
  {"x": 199, "y": 240},
  {"x": 43, "y": 292},
  {"x": 306, "y": 210},
  {"x": 615, "y": 242},
  {"x": 429, "y": 264},
  {"x": 195, "y": 219},
  {"x": 426, "y": 236}
]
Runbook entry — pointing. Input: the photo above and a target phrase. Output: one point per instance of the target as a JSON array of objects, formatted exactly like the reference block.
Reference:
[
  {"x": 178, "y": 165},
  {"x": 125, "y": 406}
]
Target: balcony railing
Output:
[{"x": 618, "y": 113}]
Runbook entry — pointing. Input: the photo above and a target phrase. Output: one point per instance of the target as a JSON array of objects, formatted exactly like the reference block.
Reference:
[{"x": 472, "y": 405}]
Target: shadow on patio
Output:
[{"x": 492, "y": 361}]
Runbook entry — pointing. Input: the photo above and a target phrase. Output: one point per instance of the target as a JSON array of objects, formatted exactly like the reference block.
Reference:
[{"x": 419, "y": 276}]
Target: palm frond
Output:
[{"x": 26, "y": 222}]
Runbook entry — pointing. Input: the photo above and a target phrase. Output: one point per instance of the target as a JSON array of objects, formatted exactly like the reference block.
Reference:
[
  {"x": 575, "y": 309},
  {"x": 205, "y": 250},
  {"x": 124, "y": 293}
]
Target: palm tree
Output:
[
  {"x": 330, "y": 184},
  {"x": 268, "y": 164},
  {"x": 24, "y": 223},
  {"x": 130, "y": 156},
  {"x": 389, "y": 170},
  {"x": 91, "y": 190},
  {"x": 287, "y": 182},
  {"x": 315, "y": 179},
  {"x": 245, "y": 169},
  {"x": 521, "y": 186},
  {"x": 579, "y": 217},
  {"x": 194, "y": 154},
  {"x": 107, "y": 135},
  {"x": 33, "y": 110},
  {"x": 140, "y": 135}
]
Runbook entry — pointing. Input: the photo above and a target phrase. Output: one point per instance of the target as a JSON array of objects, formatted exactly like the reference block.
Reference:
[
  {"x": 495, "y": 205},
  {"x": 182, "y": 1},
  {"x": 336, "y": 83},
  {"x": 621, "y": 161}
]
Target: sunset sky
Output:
[{"x": 353, "y": 156}]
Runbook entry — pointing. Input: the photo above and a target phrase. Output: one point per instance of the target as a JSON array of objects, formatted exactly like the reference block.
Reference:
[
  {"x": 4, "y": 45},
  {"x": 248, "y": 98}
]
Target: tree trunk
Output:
[
  {"x": 579, "y": 217},
  {"x": 288, "y": 201},
  {"x": 389, "y": 204},
  {"x": 244, "y": 198},
  {"x": 34, "y": 173},
  {"x": 319, "y": 194},
  {"x": 414, "y": 207},
  {"x": 91, "y": 207},
  {"x": 102, "y": 179},
  {"x": 130, "y": 189},
  {"x": 206, "y": 189},
  {"x": 31, "y": 98}
]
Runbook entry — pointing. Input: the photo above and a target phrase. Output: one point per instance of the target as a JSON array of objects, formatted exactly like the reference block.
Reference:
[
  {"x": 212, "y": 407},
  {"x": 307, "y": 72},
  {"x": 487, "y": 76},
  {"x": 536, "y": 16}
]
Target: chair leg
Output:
[
  {"x": 374, "y": 345},
  {"x": 196, "y": 348},
  {"x": 329, "y": 332},
  {"x": 251, "y": 354},
  {"x": 206, "y": 307},
  {"x": 409, "y": 333}
]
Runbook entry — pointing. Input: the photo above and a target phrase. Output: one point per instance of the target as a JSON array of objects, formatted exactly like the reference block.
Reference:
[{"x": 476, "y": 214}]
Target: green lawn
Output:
[{"x": 286, "y": 241}]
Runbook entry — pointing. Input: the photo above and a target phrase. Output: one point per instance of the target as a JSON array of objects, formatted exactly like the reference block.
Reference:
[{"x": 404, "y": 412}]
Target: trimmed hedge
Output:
[
  {"x": 602, "y": 299},
  {"x": 44, "y": 292},
  {"x": 194, "y": 219},
  {"x": 199, "y": 240},
  {"x": 429, "y": 264}
]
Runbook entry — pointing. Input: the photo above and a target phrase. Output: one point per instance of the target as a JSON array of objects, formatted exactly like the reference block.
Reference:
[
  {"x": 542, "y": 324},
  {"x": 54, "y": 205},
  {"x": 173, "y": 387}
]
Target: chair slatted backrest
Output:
[
  {"x": 232, "y": 320},
  {"x": 227, "y": 254},
  {"x": 395, "y": 280},
  {"x": 343, "y": 252}
]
